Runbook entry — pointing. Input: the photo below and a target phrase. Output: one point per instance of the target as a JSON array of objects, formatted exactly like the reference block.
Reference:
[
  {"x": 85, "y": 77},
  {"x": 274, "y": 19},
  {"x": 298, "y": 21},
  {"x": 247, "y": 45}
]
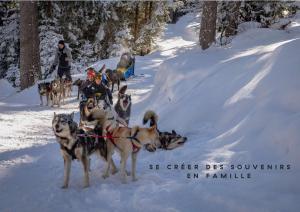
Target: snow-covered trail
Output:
[
  {"x": 237, "y": 105},
  {"x": 31, "y": 168}
]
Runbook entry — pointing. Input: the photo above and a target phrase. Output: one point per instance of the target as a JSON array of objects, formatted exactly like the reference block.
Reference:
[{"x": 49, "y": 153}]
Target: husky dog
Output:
[
  {"x": 114, "y": 77},
  {"x": 75, "y": 146},
  {"x": 123, "y": 105},
  {"x": 128, "y": 141},
  {"x": 90, "y": 103},
  {"x": 102, "y": 107},
  {"x": 67, "y": 87},
  {"x": 167, "y": 140},
  {"x": 57, "y": 92},
  {"x": 78, "y": 83},
  {"x": 44, "y": 89}
]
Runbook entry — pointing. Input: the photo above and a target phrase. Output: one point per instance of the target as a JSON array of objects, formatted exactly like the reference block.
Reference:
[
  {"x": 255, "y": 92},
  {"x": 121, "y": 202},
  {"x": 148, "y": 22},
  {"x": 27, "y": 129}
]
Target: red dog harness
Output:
[
  {"x": 135, "y": 148},
  {"x": 110, "y": 136}
]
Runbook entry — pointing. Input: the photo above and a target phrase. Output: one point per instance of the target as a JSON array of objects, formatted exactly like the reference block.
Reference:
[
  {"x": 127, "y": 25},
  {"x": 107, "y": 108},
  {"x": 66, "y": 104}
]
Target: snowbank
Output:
[
  {"x": 241, "y": 105},
  {"x": 6, "y": 89}
]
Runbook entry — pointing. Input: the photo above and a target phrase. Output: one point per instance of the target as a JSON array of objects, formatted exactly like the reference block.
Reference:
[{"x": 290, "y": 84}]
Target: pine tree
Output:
[
  {"x": 232, "y": 18},
  {"x": 208, "y": 24},
  {"x": 29, "y": 44}
]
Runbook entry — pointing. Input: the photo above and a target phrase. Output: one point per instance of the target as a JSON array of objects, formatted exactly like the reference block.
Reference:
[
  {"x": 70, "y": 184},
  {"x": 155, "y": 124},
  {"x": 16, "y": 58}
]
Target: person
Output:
[
  {"x": 63, "y": 59},
  {"x": 86, "y": 87},
  {"x": 101, "y": 90}
]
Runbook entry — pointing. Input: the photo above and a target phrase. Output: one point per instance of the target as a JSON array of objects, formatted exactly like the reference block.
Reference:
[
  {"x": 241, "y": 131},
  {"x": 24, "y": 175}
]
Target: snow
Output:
[
  {"x": 100, "y": 33},
  {"x": 6, "y": 89},
  {"x": 236, "y": 105}
]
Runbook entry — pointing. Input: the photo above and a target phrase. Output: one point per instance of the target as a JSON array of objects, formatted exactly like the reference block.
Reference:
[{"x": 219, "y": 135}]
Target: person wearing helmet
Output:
[
  {"x": 101, "y": 89},
  {"x": 86, "y": 87},
  {"x": 91, "y": 74}
]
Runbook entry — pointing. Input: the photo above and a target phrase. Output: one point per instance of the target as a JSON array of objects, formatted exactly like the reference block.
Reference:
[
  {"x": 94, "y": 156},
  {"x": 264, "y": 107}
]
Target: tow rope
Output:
[{"x": 111, "y": 137}]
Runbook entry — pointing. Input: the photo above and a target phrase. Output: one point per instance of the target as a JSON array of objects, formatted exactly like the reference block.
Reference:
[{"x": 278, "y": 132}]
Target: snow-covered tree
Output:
[{"x": 9, "y": 42}]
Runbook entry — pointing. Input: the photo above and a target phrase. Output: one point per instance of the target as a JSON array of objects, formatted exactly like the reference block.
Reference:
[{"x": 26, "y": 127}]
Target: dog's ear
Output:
[{"x": 174, "y": 132}]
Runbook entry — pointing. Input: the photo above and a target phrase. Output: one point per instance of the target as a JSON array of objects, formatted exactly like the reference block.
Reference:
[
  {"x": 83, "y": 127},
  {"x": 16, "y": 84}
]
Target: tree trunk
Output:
[
  {"x": 208, "y": 24},
  {"x": 233, "y": 18},
  {"x": 30, "y": 70},
  {"x": 146, "y": 11},
  {"x": 136, "y": 21},
  {"x": 150, "y": 10}
]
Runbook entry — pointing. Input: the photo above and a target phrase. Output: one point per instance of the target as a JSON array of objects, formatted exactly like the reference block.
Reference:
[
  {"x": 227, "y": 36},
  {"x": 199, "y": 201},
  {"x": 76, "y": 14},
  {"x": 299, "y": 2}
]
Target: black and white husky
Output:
[
  {"x": 44, "y": 89},
  {"x": 123, "y": 105},
  {"x": 77, "y": 144}
]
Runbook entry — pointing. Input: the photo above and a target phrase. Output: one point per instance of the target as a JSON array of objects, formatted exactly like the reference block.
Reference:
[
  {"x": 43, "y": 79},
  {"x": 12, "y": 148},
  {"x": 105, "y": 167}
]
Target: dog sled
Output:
[{"x": 126, "y": 65}]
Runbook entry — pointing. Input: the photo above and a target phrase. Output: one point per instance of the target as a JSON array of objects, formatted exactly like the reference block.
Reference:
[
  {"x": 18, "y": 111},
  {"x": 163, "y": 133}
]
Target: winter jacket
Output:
[
  {"x": 63, "y": 57},
  {"x": 97, "y": 90},
  {"x": 87, "y": 88}
]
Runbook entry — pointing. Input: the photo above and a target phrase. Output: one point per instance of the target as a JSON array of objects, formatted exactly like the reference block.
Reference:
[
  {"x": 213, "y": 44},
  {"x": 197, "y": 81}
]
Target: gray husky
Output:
[
  {"x": 67, "y": 87},
  {"x": 123, "y": 105},
  {"x": 57, "y": 92},
  {"x": 78, "y": 144}
]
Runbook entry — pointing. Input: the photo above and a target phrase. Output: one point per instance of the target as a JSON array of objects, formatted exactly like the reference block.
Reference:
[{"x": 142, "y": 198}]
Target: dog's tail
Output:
[{"x": 150, "y": 115}]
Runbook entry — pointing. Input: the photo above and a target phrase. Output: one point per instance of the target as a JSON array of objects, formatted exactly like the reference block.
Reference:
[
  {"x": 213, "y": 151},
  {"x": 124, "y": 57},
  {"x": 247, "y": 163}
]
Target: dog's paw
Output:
[
  {"x": 86, "y": 186},
  {"x": 114, "y": 171},
  {"x": 104, "y": 176},
  {"x": 134, "y": 179},
  {"x": 64, "y": 187},
  {"x": 128, "y": 173}
]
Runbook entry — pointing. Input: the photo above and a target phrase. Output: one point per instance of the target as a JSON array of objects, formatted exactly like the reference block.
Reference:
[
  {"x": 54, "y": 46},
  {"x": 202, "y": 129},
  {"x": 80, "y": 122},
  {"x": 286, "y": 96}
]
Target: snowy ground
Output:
[{"x": 236, "y": 105}]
